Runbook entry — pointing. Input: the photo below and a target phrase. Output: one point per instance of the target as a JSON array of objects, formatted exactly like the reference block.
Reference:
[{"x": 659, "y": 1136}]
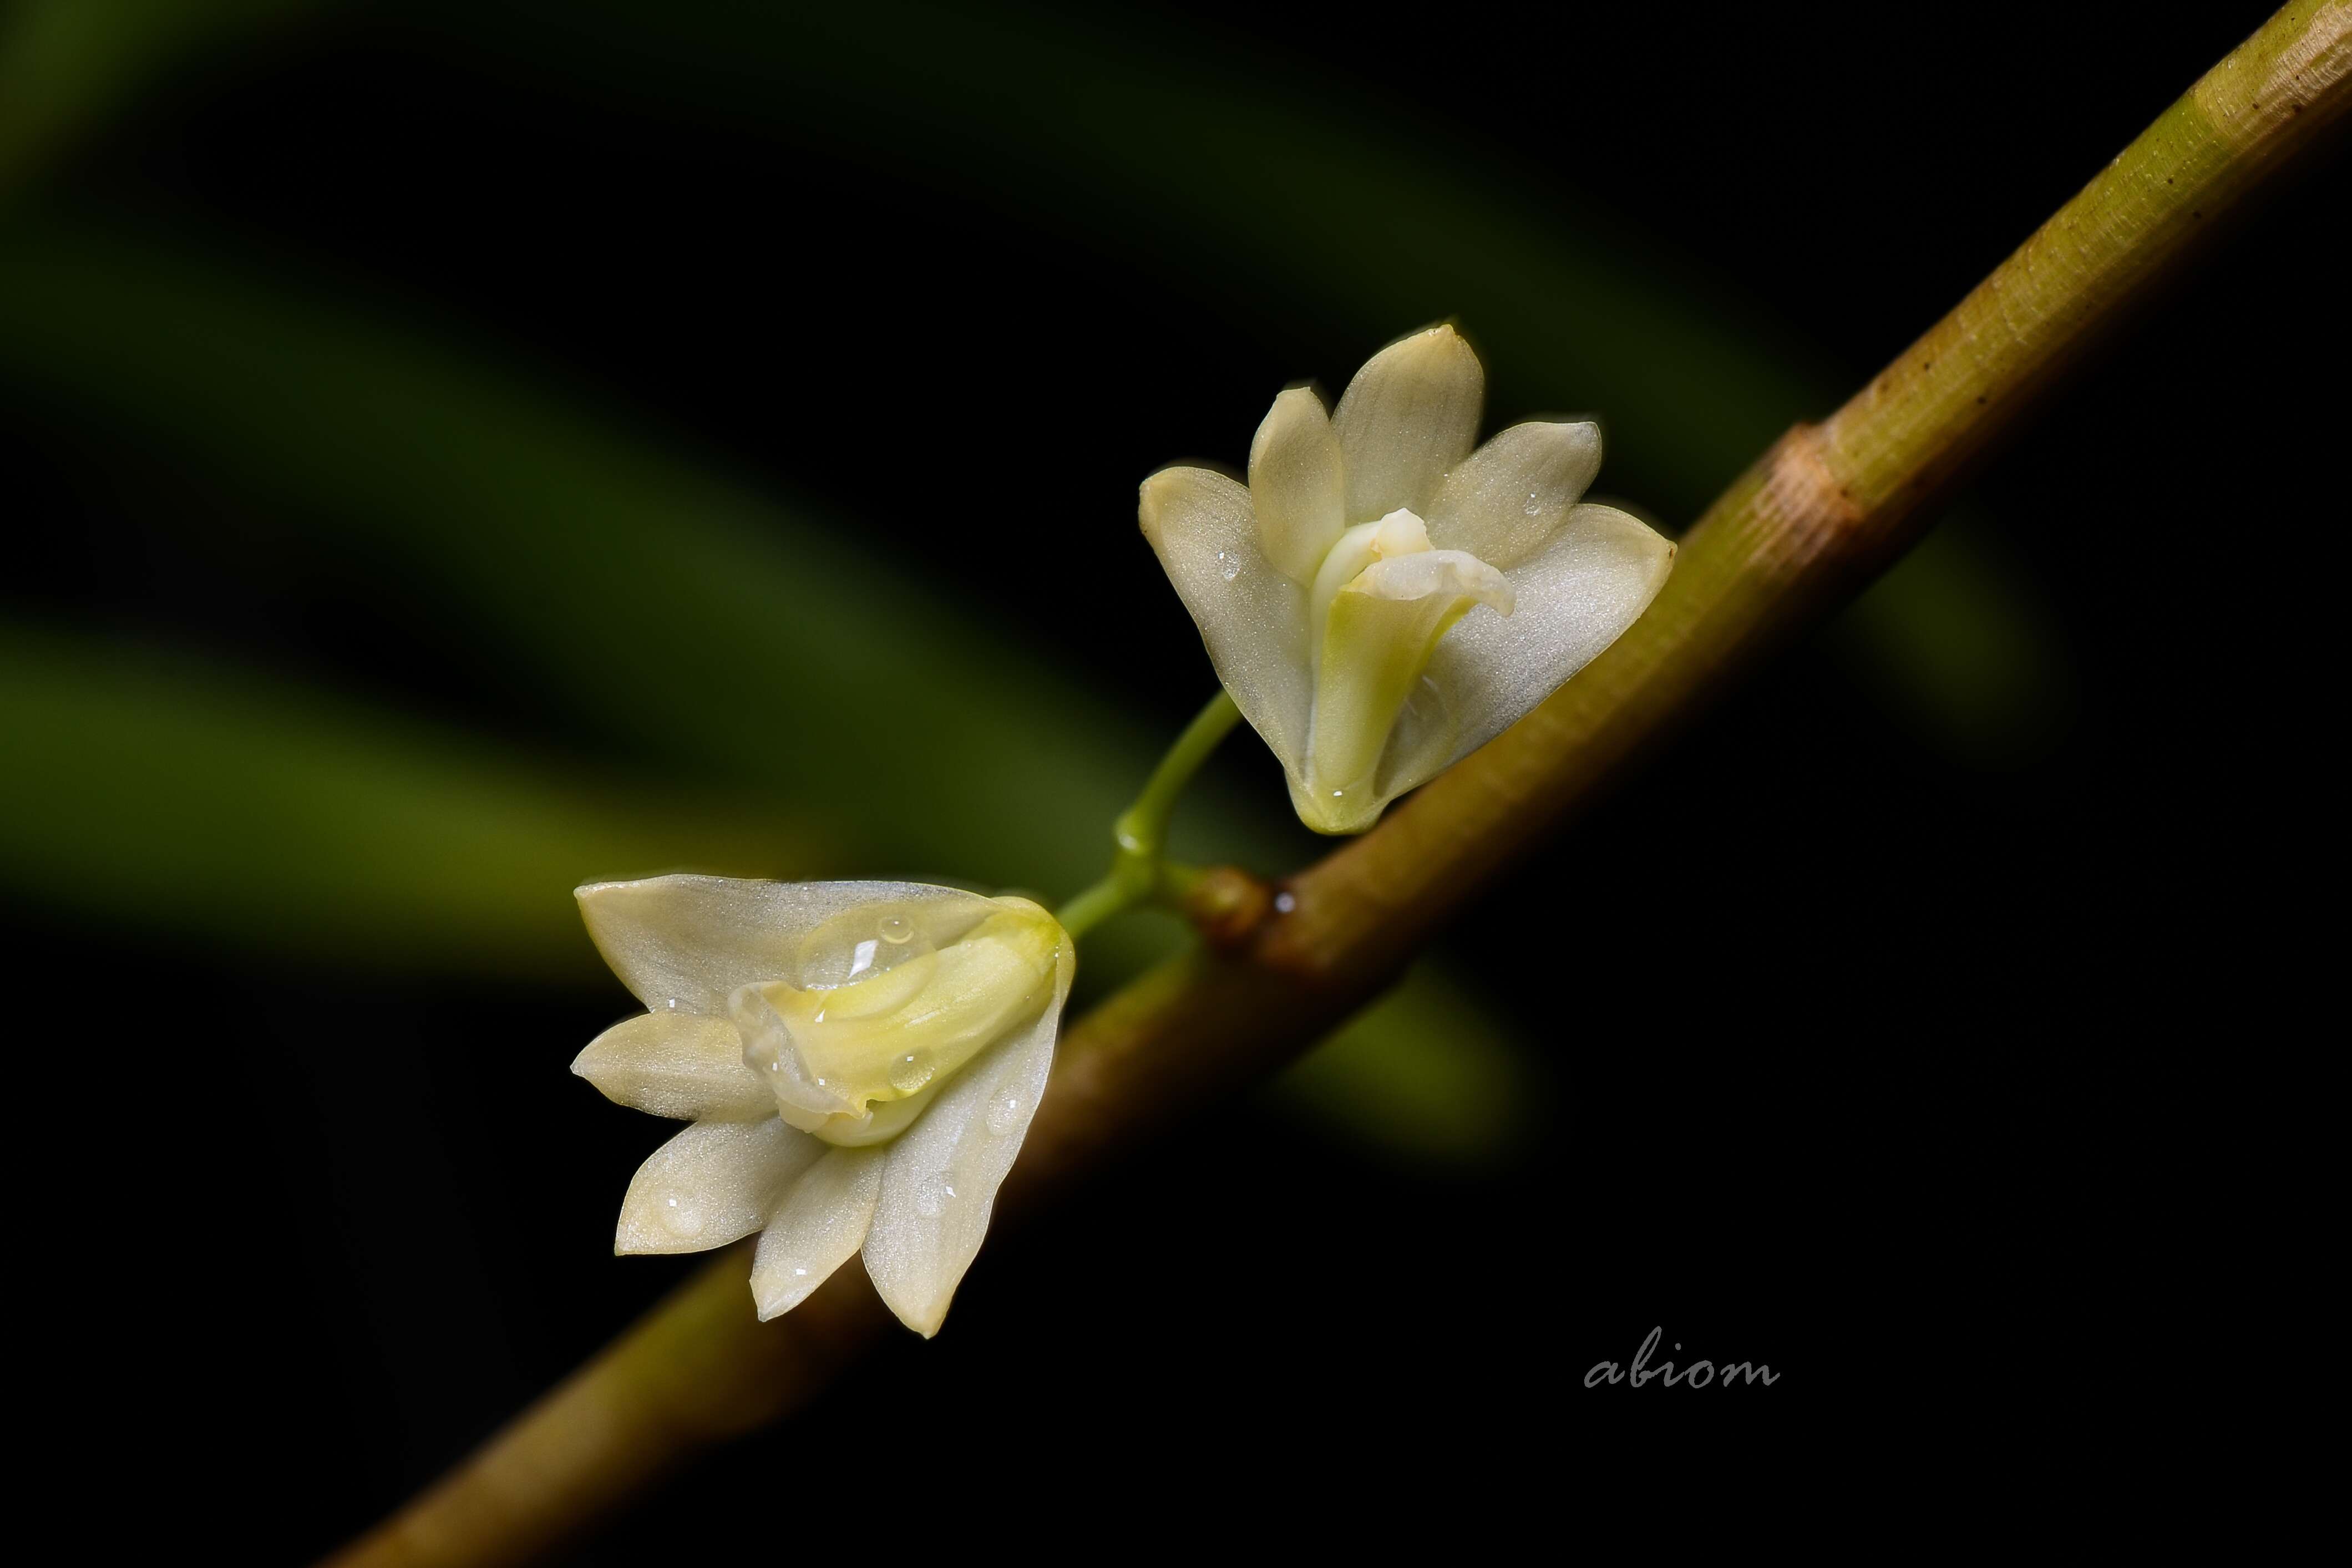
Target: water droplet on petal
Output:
[
  {"x": 933, "y": 1197},
  {"x": 680, "y": 1215},
  {"x": 858, "y": 944},
  {"x": 1535, "y": 503},
  {"x": 1228, "y": 564},
  {"x": 1003, "y": 1115},
  {"x": 909, "y": 1072}
]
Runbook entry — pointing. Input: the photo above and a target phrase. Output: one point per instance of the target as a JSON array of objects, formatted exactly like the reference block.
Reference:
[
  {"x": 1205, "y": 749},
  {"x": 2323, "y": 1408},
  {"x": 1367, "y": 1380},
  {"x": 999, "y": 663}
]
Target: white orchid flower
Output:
[
  {"x": 860, "y": 1061},
  {"x": 1381, "y": 600}
]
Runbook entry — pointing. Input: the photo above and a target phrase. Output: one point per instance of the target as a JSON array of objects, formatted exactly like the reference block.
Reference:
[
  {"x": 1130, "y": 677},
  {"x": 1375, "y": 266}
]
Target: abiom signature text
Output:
[{"x": 1697, "y": 1375}]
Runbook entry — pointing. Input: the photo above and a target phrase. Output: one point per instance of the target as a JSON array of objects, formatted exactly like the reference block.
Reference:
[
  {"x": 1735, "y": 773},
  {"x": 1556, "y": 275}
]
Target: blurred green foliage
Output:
[
  {"x": 662, "y": 603},
  {"x": 1430, "y": 1072},
  {"x": 667, "y": 605},
  {"x": 66, "y": 63},
  {"x": 225, "y": 807}
]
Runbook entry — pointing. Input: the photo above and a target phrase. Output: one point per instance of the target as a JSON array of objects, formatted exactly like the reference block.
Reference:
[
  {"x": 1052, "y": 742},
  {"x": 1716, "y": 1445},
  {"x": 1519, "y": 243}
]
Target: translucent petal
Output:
[
  {"x": 712, "y": 1183},
  {"x": 1296, "y": 484},
  {"x": 1576, "y": 595},
  {"x": 1410, "y": 413},
  {"x": 1252, "y": 616},
  {"x": 1511, "y": 494},
  {"x": 677, "y": 1064},
  {"x": 940, "y": 1184},
  {"x": 687, "y": 942},
  {"x": 819, "y": 1226}
]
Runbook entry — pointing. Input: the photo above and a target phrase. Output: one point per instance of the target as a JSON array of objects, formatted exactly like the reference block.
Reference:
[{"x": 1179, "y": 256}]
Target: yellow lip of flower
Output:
[
  {"x": 1380, "y": 632},
  {"x": 837, "y": 984},
  {"x": 852, "y": 1062},
  {"x": 1344, "y": 593}
]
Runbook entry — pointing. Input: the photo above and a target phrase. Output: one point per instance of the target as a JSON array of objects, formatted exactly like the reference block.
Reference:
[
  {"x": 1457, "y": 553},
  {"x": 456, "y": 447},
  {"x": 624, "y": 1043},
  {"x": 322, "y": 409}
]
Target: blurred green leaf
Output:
[
  {"x": 66, "y": 65},
  {"x": 650, "y": 595},
  {"x": 222, "y": 808},
  {"x": 1285, "y": 187},
  {"x": 1428, "y": 1071},
  {"x": 1961, "y": 648},
  {"x": 1364, "y": 220},
  {"x": 643, "y": 590},
  {"x": 228, "y": 812}
]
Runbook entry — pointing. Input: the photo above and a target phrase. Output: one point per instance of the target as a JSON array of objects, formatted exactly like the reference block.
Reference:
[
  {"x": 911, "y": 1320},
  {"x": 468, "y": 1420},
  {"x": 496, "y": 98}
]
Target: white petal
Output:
[
  {"x": 712, "y": 1183},
  {"x": 677, "y": 1064},
  {"x": 820, "y": 1225},
  {"x": 1510, "y": 496},
  {"x": 1576, "y": 596},
  {"x": 941, "y": 1179},
  {"x": 1252, "y": 616},
  {"x": 1296, "y": 484},
  {"x": 686, "y": 943},
  {"x": 1410, "y": 413}
]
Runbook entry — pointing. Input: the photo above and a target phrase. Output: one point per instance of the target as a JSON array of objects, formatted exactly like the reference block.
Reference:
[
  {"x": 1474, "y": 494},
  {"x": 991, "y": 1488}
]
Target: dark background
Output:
[{"x": 1907, "y": 997}]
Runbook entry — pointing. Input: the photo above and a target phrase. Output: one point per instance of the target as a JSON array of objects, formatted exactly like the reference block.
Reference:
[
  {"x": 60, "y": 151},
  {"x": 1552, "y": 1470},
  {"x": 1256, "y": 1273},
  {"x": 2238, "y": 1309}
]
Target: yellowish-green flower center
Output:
[
  {"x": 1379, "y": 603},
  {"x": 887, "y": 1007}
]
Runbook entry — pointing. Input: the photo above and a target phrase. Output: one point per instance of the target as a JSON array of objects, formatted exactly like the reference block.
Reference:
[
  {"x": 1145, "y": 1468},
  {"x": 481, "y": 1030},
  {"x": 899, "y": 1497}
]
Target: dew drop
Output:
[
  {"x": 1535, "y": 503},
  {"x": 933, "y": 1197},
  {"x": 1228, "y": 564},
  {"x": 909, "y": 1072},
  {"x": 680, "y": 1215},
  {"x": 1003, "y": 1115},
  {"x": 859, "y": 944}
]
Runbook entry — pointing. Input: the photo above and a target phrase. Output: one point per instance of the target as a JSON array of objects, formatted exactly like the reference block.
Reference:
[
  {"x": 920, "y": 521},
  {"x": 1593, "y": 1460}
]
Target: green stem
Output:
[
  {"x": 1827, "y": 504},
  {"x": 1087, "y": 910},
  {"x": 1138, "y": 868}
]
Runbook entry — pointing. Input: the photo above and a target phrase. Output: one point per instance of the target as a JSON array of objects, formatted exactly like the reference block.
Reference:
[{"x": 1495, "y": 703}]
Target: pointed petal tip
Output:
[
  {"x": 1169, "y": 476},
  {"x": 1410, "y": 414},
  {"x": 774, "y": 1307},
  {"x": 1169, "y": 488}
]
